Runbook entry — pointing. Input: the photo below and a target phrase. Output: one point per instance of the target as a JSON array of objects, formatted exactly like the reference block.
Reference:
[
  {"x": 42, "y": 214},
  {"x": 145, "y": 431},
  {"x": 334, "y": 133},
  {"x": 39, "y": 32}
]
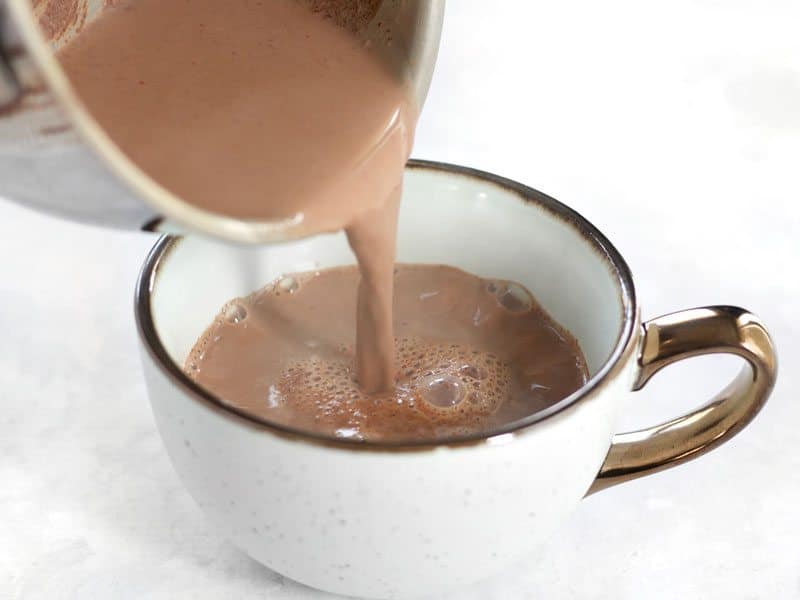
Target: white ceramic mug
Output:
[{"x": 387, "y": 521}]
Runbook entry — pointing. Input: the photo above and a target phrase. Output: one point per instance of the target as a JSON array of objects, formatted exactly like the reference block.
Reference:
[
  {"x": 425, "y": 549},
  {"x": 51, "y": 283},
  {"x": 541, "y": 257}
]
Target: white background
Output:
[{"x": 673, "y": 126}]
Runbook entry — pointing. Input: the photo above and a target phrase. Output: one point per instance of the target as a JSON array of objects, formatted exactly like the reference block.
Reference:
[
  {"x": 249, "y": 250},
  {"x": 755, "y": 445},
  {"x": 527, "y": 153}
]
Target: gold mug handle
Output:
[{"x": 674, "y": 337}]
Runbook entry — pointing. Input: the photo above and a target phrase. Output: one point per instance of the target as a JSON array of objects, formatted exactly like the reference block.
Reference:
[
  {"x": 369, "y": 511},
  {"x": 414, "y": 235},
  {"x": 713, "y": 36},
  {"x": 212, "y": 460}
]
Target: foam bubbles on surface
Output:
[
  {"x": 235, "y": 313},
  {"x": 472, "y": 372},
  {"x": 442, "y": 389},
  {"x": 288, "y": 284}
]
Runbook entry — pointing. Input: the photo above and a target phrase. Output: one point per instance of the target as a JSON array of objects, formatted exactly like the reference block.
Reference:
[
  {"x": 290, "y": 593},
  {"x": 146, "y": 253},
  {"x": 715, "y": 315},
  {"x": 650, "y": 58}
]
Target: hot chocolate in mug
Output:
[{"x": 378, "y": 520}]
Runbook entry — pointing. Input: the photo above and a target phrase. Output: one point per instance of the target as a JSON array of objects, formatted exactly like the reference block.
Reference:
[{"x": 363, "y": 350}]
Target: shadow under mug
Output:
[{"x": 394, "y": 521}]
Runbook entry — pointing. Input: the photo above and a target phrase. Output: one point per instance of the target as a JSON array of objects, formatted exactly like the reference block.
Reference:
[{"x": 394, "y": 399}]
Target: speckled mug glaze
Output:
[{"x": 388, "y": 521}]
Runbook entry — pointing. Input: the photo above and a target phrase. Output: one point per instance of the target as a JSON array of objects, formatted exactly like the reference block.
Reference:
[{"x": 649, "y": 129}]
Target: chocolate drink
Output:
[
  {"x": 472, "y": 354},
  {"x": 262, "y": 109}
]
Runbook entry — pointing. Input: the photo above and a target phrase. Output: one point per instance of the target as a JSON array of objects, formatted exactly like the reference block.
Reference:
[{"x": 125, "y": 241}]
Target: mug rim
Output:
[{"x": 618, "y": 269}]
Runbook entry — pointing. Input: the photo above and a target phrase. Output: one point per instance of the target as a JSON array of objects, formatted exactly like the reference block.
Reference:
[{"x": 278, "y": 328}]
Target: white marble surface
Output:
[{"x": 675, "y": 127}]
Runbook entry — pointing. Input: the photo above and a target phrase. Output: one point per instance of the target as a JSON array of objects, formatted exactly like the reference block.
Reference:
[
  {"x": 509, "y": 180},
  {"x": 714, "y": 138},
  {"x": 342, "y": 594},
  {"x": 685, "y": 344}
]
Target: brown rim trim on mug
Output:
[{"x": 623, "y": 346}]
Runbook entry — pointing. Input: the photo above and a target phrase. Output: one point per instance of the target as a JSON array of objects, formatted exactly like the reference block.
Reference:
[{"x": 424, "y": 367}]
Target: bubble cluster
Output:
[
  {"x": 442, "y": 389},
  {"x": 234, "y": 313},
  {"x": 192, "y": 365},
  {"x": 354, "y": 15},
  {"x": 288, "y": 284}
]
